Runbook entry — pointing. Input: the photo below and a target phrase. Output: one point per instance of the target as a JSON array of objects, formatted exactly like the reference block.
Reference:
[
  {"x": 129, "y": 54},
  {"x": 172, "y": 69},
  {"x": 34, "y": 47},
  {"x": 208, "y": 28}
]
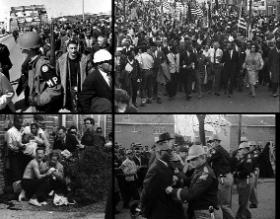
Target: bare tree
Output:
[{"x": 201, "y": 120}]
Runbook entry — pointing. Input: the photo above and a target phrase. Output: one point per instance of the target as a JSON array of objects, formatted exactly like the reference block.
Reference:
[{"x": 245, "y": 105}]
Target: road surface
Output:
[{"x": 265, "y": 210}]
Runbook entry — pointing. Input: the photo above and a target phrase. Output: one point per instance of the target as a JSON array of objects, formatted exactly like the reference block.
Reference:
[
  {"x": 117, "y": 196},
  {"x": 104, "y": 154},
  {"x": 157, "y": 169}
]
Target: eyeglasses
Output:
[{"x": 87, "y": 123}]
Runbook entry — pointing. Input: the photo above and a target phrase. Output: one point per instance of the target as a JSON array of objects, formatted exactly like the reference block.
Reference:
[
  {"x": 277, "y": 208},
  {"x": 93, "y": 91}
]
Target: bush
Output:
[{"x": 90, "y": 176}]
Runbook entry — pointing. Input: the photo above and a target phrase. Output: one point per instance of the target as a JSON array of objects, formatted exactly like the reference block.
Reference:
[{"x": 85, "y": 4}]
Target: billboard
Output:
[{"x": 257, "y": 5}]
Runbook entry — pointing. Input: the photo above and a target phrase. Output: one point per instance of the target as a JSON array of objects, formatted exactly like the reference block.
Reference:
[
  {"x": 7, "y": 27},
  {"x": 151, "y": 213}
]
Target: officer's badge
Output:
[{"x": 45, "y": 68}]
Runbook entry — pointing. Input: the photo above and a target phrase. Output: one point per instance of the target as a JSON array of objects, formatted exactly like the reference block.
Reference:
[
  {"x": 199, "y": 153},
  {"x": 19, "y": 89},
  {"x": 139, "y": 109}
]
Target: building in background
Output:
[{"x": 145, "y": 129}]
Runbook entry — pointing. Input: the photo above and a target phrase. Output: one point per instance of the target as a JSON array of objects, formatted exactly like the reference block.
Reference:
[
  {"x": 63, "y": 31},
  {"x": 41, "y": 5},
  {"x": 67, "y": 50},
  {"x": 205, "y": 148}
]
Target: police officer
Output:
[
  {"x": 255, "y": 153},
  {"x": 220, "y": 161},
  {"x": 203, "y": 189},
  {"x": 42, "y": 85},
  {"x": 243, "y": 172}
]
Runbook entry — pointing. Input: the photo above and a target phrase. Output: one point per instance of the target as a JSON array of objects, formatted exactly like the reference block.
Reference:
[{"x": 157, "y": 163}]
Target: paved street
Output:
[
  {"x": 265, "y": 210},
  {"x": 239, "y": 102}
]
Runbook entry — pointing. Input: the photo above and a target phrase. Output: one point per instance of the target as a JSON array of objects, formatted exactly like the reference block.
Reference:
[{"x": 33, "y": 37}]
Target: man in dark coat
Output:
[
  {"x": 155, "y": 203},
  {"x": 65, "y": 141},
  {"x": 96, "y": 95},
  {"x": 274, "y": 67},
  {"x": 231, "y": 68}
]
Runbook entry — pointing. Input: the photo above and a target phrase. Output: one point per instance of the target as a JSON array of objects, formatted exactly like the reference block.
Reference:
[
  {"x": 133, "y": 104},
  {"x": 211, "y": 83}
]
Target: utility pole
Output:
[
  {"x": 83, "y": 5},
  {"x": 239, "y": 128}
]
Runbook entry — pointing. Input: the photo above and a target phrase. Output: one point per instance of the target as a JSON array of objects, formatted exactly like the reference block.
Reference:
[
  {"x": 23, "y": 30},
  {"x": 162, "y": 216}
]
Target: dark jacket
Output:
[
  {"x": 231, "y": 64},
  {"x": 274, "y": 65},
  {"x": 202, "y": 191},
  {"x": 94, "y": 86},
  {"x": 70, "y": 143},
  {"x": 220, "y": 161},
  {"x": 5, "y": 62},
  {"x": 155, "y": 202}
]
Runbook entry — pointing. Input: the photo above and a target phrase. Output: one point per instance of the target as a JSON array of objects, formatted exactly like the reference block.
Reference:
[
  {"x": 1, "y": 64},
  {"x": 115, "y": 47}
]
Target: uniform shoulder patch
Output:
[{"x": 45, "y": 68}]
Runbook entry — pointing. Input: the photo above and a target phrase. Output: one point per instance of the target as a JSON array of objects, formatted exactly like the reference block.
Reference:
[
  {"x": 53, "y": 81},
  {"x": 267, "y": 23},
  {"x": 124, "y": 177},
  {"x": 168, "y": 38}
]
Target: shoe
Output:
[
  {"x": 34, "y": 202},
  {"x": 229, "y": 96},
  {"x": 217, "y": 94},
  {"x": 43, "y": 203},
  {"x": 275, "y": 95},
  {"x": 253, "y": 206},
  {"x": 188, "y": 97},
  {"x": 149, "y": 101},
  {"x": 21, "y": 195},
  {"x": 159, "y": 101}
]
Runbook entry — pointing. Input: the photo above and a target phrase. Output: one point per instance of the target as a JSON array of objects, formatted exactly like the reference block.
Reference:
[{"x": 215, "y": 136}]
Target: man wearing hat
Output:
[
  {"x": 130, "y": 173},
  {"x": 221, "y": 163},
  {"x": 255, "y": 154},
  {"x": 154, "y": 201},
  {"x": 203, "y": 189},
  {"x": 96, "y": 95},
  {"x": 243, "y": 169}
]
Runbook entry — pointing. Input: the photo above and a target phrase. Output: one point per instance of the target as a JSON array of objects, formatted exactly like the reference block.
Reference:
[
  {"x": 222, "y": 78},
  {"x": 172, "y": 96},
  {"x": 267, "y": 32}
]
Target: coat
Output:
[
  {"x": 156, "y": 203},
  {"x": 274, "y": 65},
  {"x": 94, "y": 87},
  {"x": 231, "y": 65},
  {"x": 61, "y": 68}
]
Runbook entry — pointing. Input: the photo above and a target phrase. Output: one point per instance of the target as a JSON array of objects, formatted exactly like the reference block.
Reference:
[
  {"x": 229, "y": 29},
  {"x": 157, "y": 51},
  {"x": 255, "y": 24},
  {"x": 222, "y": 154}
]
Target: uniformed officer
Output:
[
  {"x": 254, "y": 194},
  {"x": 42, "y": 85},
  {"x": 203, "y": 189},
  {"x": 244, "y": 174},
  {"x": 220, "y": 161}
]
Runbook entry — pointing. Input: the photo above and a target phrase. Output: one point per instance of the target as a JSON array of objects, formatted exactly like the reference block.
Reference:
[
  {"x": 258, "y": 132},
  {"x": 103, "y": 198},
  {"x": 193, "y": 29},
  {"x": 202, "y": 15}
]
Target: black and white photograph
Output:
[
  {"x": 56, "y": 56},
  {"x": 197, "y": 56},
  {"x": 194, "y": 166},
  {"x": 55, "y": 165}
]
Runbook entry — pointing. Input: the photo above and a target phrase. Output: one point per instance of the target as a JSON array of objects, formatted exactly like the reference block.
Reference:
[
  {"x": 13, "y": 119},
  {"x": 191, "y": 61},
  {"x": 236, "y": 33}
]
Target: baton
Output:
[{"x": 211, "y": 211}]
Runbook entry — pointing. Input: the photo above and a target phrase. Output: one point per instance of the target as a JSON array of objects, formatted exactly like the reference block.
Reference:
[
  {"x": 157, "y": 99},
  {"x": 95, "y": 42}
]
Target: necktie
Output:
[{"x": 215, "y": 56}]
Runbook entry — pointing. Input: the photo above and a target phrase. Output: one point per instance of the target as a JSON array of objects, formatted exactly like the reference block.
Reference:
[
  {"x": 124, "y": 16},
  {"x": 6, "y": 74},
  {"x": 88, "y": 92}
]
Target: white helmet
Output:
[
  {"x": 195, "y": 151},
  {"x": 102, "y": 55}
]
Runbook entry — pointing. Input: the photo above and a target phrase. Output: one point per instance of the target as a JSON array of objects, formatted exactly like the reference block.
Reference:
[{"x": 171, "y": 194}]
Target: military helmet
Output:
[{"x": 30, "y": 40}]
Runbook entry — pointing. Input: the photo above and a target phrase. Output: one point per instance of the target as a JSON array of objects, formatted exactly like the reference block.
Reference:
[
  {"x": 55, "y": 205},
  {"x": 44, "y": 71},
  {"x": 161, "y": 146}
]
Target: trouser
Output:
[
  {"x": 172, "y": 85},
  {"x": 36, "y": 188},
  {"x": 147, "y": 83},
  {"x": 134, "y": 89},
  {"x": 16, "y": 165},
  {"x": 244, "y": 188},
  {"x": 198, "y": 82},
  {"x": 132, "y": 192},
  {"x": 274, "y": 87},
  {"x": 254, "y": 194},
  {"x": 188, "y": 79},
  {"x": 204, "y": 214},
  {"x": 217, "y": 68},
  {"x": 225, "y": 195},
  {"x": 53, "y": 106}
]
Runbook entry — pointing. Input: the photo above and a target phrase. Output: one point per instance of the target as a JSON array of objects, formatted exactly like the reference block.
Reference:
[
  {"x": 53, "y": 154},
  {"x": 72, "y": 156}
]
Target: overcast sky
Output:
[{"x": 58, "y": 7}]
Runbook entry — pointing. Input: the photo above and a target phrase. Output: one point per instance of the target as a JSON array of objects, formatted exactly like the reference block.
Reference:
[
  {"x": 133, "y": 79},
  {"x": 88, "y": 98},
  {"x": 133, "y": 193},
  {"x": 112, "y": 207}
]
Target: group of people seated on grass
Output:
[{"x": 39, "y": 170}]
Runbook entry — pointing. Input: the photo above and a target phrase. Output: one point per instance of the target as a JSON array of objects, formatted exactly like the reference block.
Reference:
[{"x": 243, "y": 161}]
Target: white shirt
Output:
[
  {"x": 106, "y": 77},
  {"x": 13, "y": 135},
  {"x": 219, "y": 53}
]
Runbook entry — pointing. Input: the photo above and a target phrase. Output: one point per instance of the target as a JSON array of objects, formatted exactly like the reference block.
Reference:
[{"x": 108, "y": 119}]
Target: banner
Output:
[{"x": 257, "y": 5}]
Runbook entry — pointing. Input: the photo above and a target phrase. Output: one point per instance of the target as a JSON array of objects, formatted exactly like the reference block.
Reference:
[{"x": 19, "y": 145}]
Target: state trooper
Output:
[
  {"x": 244, "y": 175},
  {"x": 201, "y": 194},
  {"x": 220, "y": 161},
  {"x": 254, "y": 195},
  {"x": 39, "y": 81}
]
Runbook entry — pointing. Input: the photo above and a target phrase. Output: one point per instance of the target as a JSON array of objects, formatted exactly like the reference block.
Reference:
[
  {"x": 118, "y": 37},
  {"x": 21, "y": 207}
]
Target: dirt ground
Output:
[{"x": 22, "y": 210}]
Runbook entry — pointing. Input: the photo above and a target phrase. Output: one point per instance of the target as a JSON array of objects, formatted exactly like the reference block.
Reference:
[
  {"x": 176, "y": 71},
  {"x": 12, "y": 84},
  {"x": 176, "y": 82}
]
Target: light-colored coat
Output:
[{"x": 61, "y": 68}]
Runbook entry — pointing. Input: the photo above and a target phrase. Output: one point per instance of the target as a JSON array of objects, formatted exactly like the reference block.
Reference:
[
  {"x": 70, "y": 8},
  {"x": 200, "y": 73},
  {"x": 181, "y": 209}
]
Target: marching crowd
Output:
[
  {"x": 162, "y": 56},
  {"x": 179, "y": 179},
  {"x": 38, "y": 165},
  {"x": 71, "y": 73}
]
